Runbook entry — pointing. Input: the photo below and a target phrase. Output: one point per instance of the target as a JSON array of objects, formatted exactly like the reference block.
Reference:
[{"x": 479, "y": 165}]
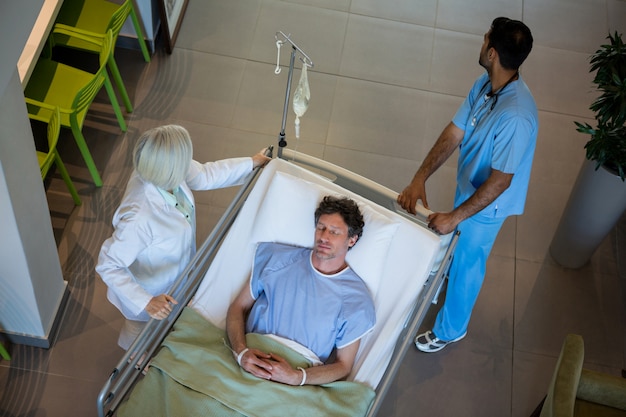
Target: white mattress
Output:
[{"x": 394, "y": 256}]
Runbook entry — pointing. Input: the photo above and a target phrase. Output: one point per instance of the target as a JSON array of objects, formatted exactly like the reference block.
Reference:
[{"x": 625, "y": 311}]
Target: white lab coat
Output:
[{"x": 153, "y": 242}]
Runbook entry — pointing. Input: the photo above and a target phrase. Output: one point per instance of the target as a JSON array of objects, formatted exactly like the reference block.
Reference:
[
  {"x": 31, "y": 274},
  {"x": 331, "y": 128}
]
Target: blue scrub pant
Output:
[{"x": 467, "y": 272}]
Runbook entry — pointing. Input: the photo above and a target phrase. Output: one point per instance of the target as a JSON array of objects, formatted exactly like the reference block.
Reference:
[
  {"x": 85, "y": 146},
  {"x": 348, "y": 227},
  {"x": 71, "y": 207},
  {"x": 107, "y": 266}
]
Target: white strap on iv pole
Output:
[{"x": 278, "y": 45}]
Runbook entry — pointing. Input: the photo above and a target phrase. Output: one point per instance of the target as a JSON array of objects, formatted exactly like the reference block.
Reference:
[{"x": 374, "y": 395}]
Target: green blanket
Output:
[{"x": 195, "y": 374}]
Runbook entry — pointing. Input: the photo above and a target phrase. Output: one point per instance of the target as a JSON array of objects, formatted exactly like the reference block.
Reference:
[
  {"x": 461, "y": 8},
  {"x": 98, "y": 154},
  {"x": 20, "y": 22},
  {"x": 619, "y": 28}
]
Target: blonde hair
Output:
[{"x": 163, "y": 155}]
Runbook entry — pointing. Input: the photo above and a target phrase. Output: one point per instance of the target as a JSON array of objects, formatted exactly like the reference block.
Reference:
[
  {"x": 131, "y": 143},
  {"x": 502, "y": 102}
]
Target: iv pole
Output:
[{"x": 306, "y": 61}]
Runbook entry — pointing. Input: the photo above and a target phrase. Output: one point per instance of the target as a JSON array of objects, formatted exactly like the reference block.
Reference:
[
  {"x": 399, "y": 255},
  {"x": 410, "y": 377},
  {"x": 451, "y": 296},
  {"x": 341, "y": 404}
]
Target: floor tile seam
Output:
[
  {"x": 231, "y": 127},
  {"x": 530, "y": 259},
  {"x": 350, "y": 12},
  {"x": 23, "y": 357},
  {"x": 581, "y": 117},
  {"x": 595, "y": 362},
  {"x": 225, "y": 55},
  {"x": 538, "y": 42},
  {"x": 76, "y": 275},
  {"x": 513, "y": 373},
  {"x": 22, "y": 395},
  {"x": 388, "y": 19},
  {"x": 327, "y": 145},
  {"x": 337, "y": 75},
  {"x": 517, "y": 350},
  {"x": 514, "y": 309},
  {"x": 546, "y": 259},
  {"x": 70, "y": 270},
  {"x": 436, "y": 26},
  {"x": 340, "y": 76},
  {"x": 59, "y": 375},
  {"x": 502, "y": 257},
  {"x": 586, "y": 361},
  {"x": 335, "y": 79},
  {"x": 560, "y": 46},
  {"x": 240, "y": 86}
]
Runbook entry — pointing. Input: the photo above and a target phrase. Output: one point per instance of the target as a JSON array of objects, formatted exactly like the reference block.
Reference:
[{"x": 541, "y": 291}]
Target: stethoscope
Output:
[{"x": 490, "y": 95}]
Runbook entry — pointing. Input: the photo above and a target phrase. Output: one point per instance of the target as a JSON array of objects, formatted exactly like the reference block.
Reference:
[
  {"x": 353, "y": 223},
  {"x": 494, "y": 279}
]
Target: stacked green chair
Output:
[
  {"x": 46, "y": 159},
  {"x": 4, "y": 353},
  {"x": 73, "y": 91},
  {"x": 94, "y": 18}
]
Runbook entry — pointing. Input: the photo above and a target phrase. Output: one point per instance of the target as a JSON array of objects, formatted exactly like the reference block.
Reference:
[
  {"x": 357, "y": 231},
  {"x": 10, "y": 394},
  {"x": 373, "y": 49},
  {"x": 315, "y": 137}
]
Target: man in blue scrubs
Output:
[{"x": 495, "y": 130}]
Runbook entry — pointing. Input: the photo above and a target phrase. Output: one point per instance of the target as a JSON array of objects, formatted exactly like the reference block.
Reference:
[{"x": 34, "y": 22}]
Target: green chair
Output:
[
  {"x": 575, "y": 391},
  {"x": 46, "y": 159},
  {"x": 73, "y": 91},
  {"x": 95, "y": 17},
  {"x": 4, "y": 353}
]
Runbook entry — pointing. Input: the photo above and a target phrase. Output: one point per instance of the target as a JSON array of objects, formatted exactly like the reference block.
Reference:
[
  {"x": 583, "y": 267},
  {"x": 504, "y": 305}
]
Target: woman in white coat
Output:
[{"x": 154, "y": 236}]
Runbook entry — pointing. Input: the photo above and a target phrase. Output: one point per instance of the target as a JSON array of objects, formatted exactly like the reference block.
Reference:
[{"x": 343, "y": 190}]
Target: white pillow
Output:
[{"x": 287, "y": 212}]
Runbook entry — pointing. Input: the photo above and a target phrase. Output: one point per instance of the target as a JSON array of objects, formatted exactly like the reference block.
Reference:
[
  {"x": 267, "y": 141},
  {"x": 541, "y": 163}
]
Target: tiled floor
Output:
[{"x": 387, "y": 77}]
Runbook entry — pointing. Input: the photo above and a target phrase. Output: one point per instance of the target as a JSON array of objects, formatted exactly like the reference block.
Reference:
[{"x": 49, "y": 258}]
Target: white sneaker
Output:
[{"x": 429, "y": 343}]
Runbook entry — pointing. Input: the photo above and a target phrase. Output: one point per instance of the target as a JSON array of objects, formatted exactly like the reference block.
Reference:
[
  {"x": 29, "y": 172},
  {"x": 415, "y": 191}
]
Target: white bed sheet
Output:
[{"x": 401, "y": 256}]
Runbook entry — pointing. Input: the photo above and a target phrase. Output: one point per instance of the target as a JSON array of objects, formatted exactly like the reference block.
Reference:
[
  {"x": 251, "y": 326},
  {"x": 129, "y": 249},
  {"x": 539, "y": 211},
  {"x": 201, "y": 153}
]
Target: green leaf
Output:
[{"x": 607, "y": 143}]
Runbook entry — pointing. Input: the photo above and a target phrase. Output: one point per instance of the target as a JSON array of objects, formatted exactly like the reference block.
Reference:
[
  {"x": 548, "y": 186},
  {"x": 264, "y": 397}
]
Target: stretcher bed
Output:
[{"x": 402, "y": 262}]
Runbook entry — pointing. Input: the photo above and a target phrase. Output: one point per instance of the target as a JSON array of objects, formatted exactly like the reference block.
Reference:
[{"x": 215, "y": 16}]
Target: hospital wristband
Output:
[
  {"x": 243, "y": 352},
  {"x": 303, "y": 376}
]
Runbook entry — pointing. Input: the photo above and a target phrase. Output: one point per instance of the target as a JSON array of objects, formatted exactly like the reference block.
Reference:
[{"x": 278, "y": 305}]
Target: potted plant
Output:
[
  {"x": 598, "y": 198},
  {"x": 607, "y": 145}
]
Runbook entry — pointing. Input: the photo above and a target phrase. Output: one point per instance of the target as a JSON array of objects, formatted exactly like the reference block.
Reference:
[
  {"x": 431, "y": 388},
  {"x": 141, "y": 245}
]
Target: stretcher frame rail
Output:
[{"x": 128, "y": 371}]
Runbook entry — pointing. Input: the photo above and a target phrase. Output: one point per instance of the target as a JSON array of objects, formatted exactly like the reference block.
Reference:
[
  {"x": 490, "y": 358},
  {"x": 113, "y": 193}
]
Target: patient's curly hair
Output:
[{"x": 347, "y": 208}]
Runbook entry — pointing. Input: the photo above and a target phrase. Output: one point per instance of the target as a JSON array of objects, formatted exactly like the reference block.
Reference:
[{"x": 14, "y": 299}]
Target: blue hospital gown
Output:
[{"x": 295, "y": 301}]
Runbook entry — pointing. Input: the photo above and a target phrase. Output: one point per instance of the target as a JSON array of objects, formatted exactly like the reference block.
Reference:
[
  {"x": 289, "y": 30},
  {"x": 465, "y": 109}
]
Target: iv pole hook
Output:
[{"x": 287, "y": 38}]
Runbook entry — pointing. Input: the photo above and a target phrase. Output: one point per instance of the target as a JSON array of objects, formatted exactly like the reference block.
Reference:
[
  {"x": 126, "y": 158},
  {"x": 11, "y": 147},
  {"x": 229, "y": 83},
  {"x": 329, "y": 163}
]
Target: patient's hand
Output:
[
  {"x": 283, "y": 372},
  {"x": 257, "y": 363}
]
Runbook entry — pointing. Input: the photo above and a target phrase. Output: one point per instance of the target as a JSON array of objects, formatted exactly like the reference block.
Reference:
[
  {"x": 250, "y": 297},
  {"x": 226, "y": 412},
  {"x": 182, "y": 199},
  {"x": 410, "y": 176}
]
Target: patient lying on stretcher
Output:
[{"x": 310, "y": 296}]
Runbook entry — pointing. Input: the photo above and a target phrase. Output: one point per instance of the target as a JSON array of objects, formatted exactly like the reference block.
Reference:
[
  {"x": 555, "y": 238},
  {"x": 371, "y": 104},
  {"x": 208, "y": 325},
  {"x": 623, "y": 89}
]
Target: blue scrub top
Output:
[{"x": 501, "y": 136}]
